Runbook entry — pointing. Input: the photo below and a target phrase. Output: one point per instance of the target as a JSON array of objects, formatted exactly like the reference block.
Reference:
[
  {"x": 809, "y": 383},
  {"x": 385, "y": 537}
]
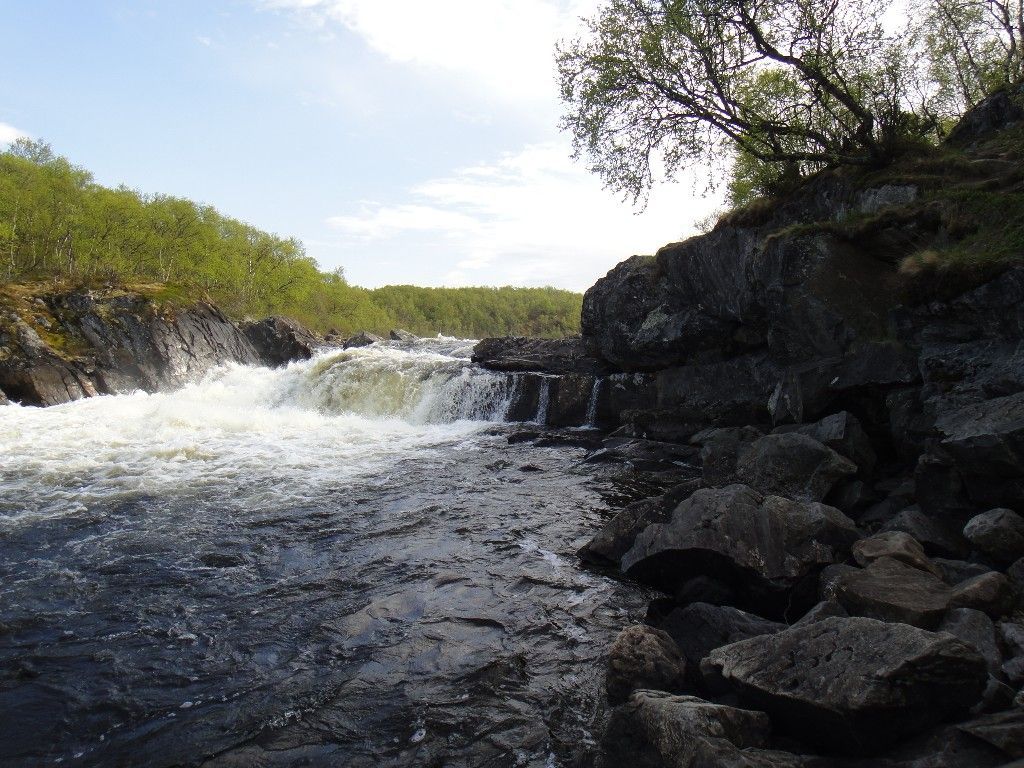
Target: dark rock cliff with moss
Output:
[
  {"x": 830, "y": 386},
  {"x": 58, "y": 345}
]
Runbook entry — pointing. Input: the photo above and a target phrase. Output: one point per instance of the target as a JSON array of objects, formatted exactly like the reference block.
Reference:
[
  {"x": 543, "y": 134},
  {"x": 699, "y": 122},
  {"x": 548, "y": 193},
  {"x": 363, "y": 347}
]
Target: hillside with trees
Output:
[{"x": 58, "y": 224}]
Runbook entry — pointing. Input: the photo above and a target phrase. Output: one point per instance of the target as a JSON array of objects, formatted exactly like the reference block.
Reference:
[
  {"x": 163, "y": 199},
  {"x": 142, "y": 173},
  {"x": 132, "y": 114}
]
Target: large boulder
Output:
[
  {"x": 280, "y": 340},
  {"x": 998, "y": 534},
  {"x": 792, "y": 465},
  {"x": 768, "y": 546},
  {"x": 843, "y": 433},
  {"x": 890, "y": 590},
  {"x": 990, "y": 592},
  {"x": 657, "y": 730},
  {"x": 643, "y": 657},
  {"x": 619, "y": 533},
  {"x": 986, "y": 444},
  {"x": 852, "y": 685},
  {"x": 397, "y": 334}
]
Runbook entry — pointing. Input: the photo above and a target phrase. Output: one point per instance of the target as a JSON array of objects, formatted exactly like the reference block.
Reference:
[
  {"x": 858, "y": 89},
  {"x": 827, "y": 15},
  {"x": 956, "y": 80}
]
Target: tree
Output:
[
  {"x": 798, "y": 83},
  {"x": 973, "y": 47}
]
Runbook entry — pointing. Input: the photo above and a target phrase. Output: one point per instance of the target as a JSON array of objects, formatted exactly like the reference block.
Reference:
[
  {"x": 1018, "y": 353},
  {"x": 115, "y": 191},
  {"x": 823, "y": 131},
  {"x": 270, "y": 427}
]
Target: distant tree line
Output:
[
  {"x": 777, "y": 88},
  {"x": 56, "y": 222}
]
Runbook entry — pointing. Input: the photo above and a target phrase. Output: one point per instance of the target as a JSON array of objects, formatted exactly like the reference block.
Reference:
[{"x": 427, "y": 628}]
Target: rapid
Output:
[{"x": 340, "y": 562}]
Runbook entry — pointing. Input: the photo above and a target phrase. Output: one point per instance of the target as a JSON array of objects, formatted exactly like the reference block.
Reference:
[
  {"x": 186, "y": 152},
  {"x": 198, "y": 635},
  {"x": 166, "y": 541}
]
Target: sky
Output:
[{"x": 407, "y": 142}]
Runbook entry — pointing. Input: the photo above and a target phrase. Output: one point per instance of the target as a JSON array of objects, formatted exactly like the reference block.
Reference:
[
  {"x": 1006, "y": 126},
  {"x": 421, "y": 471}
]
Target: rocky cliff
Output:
[
  {"x": 61, "y": 345},
  {"x": 835, "y": 384}
]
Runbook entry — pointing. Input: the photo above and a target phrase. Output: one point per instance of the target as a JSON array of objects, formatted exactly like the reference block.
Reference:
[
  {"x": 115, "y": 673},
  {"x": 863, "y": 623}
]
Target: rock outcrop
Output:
[{"x": 63, "y": 346}]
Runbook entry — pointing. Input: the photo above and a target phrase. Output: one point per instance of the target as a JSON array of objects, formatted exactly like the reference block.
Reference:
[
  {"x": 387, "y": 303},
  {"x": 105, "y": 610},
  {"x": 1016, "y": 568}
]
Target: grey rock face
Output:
[
  {"x": 558, "y": 356},
  {"x": 792, "y": 465},
  {"x": 986, "y": 443},
  {"x": 280, "y": 340},
  {"x": 656, "y": 730},
  {"x": 852, "y": 685},
  {"x": 998, "y": 534},
  {"x": 938, "y": 537},
  {"x": 643, "y": 657},
  {"x": 767, "y": 544},
  {"x": 891, "y": 590},
  {"x": 121, "y": 343}
]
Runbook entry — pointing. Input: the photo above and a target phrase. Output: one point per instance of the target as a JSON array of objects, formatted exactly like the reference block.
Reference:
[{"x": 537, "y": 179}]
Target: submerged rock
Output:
[
  {"x": 767, "y": 545},
  {"x": 643, "y": 657},
  {"x": 852, "y": 685}
]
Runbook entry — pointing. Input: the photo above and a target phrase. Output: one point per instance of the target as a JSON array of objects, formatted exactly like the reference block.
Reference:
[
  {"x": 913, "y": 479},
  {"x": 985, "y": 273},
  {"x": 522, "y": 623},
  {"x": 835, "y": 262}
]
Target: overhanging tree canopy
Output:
[{"x": 800, "y": 82}]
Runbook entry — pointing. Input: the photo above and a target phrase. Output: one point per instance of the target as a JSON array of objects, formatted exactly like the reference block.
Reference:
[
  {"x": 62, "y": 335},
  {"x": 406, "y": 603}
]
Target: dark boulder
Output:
[
  {"x": 557, "y": 356},
  {"x": 955, "y": 571},
  {"x": 890, "y": 590},
  {"x": 896, "y": 545},
  {"x": 362, "y": 339},
  {"x": 1003, "y": 730},
  {"x": 939, "y": 537},
  {"x": 643, "y": 657},
  {"x": 619, "y": 533},
  {"x": 977, "y": 630},
  {"x": 843, "y": 433},
  {"x": 765, "y": 545},
  {"x": 997, "y": 534},
  {"x": 111, "y": 342},
  {"x": 280, "y": 340},
  {"x": 699, "y": 628},
  {"x": 719, "y": 452},
  {"x": 986, "y": 443},
  {"x": 792, "y": 465},
  {"x": 993, "y": 113},
  {"x": 852, "y": 685},
  {"x": 397, "y": 334},
  {"x": 990, "y": 592},
  {"x": 657, "y": 730}
]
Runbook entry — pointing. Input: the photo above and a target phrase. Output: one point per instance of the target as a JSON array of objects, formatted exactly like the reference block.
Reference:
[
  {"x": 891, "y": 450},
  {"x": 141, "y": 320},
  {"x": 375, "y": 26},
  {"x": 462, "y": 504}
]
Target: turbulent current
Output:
[{"x": 340, "y": 563}]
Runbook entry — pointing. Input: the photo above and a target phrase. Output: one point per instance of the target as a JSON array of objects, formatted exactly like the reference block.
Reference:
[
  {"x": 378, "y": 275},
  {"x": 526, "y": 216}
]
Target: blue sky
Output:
[{"x": 406, "y": 141}]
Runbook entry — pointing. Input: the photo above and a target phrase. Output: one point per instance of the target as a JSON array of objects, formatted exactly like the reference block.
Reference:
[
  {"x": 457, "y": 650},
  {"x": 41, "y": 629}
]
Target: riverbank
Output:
[{"x": 836, "y": 380}]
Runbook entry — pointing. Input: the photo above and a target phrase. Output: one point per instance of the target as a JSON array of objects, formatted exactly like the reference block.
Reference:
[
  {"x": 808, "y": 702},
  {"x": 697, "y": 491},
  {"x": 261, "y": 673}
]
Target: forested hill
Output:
[{"x": 57, "y": 223}]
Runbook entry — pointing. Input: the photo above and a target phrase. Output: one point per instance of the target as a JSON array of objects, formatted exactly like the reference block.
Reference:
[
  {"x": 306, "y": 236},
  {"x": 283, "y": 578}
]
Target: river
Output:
[{"x": 342, "y": 563}]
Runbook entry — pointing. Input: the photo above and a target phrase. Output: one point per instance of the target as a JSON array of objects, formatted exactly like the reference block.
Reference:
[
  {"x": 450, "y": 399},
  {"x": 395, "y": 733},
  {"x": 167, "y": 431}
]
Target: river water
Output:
[{"x": 339, "y": 563}]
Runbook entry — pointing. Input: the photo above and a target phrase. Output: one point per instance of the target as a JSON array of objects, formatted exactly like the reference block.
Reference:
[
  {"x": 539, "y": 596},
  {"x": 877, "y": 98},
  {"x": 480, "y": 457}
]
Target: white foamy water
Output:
[{"x": 261, "y": 435}]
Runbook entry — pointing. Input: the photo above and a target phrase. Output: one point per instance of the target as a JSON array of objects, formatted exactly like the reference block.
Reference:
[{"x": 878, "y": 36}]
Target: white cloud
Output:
[
  {"x": 529, "y": 218},
  {"x": 505, "y": 48},
  {"x": 9, "y": 134}
]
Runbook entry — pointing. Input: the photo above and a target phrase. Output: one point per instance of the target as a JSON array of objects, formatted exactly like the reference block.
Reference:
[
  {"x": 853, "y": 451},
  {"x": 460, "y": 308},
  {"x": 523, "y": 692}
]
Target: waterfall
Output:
[
  {"x": 543, "y": 401},
  {"x": 592, "y": 405}
]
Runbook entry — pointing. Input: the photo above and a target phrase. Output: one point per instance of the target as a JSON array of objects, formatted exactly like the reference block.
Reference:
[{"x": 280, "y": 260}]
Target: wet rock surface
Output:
[{"x": 852, "y": 685}]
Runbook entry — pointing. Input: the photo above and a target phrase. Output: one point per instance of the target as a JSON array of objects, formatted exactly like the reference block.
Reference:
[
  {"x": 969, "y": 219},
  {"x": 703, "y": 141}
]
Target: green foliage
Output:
[{"x": 57, "y": 223}]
